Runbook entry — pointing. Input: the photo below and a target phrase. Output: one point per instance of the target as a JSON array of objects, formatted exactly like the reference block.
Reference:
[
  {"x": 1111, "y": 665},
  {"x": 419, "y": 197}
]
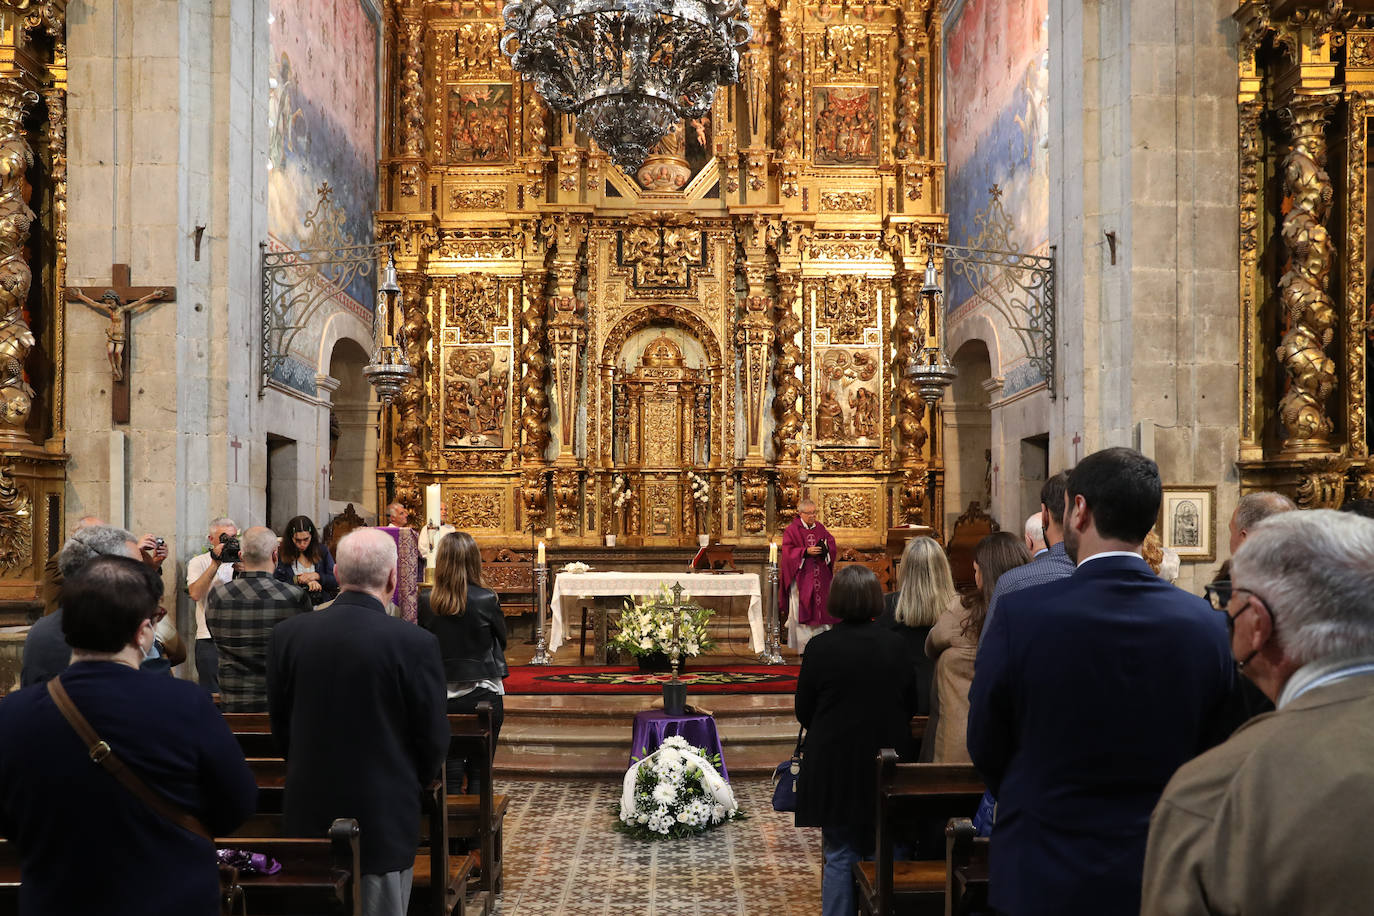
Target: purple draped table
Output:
[
  {"x": 407, "y": 592},
  {"x": 653, "y": 725}
]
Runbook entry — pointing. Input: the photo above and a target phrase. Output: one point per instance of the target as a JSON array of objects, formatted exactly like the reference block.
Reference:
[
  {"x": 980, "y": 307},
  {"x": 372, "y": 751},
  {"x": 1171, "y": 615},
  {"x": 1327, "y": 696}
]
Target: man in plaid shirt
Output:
[{"x": 241, "y": 614}]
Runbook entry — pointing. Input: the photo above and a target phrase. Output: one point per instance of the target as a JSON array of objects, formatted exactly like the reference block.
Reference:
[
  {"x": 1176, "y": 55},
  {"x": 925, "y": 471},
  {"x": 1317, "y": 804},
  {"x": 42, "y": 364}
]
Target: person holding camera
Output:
[{"x": 202, "y": 572}]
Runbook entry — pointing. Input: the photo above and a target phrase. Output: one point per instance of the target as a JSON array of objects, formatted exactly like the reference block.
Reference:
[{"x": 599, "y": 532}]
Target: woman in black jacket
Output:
[
  {"x": 855, "y": 695},
  {"x": 471, "y": 629}
]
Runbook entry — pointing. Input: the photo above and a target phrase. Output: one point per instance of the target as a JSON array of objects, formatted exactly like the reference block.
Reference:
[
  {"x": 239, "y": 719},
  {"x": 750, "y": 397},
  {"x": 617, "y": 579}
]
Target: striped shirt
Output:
[
  {"x": 1050, "y": 566},
  {"x": 241, "y": 614}
]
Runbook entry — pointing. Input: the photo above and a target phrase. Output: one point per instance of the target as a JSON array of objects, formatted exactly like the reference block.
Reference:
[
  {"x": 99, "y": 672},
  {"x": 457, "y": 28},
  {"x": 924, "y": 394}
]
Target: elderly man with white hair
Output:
[
  {"x": 1237, "y": 829},
  {"x": 358, "y": 701}
]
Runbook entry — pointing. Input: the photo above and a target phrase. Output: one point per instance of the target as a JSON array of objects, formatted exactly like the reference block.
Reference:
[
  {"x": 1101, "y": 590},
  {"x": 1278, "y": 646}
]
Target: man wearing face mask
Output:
[
  {"x": 1088, "y": 693},
  {"x": 1233, "y": 832}
]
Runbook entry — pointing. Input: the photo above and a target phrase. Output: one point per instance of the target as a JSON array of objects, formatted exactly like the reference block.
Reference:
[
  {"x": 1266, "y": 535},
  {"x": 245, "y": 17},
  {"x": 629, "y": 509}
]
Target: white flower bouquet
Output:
[
  {"x": 675, "y": 791},
  {"x": 621, "y": 494},
  {"x": 701, "y": 488},
  {"x": 646, "y": 626}
]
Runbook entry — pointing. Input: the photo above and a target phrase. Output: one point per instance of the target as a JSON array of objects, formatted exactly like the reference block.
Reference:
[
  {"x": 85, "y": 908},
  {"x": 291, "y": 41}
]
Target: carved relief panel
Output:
[{"x": 477, "y": 314}]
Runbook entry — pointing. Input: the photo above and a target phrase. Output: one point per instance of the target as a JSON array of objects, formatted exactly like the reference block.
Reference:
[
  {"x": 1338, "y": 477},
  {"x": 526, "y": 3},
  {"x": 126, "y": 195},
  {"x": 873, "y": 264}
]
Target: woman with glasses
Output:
[{"x": 86, "y": 842}]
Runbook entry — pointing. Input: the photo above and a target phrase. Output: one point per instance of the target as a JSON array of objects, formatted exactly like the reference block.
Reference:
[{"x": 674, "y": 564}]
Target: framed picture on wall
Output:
[{"x": 1187, "y": 522}]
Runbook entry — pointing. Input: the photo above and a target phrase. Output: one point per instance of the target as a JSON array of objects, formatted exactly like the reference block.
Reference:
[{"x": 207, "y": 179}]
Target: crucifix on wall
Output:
[{"x": 118, "y": 303}]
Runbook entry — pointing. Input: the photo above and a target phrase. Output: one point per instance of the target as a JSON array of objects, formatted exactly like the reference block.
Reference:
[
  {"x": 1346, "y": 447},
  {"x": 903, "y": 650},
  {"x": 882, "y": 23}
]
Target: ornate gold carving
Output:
[
  {"x": 789, "y": 64},
  {"x": 1303, "y": 289},
  {"x": 845, "y": 246},
  {"x": 847, "y": 460},
  {"x": 847, "y": 50},
  {"x": 847, "y": 201},
  {"x": 754, "y": 495},
  {"x": 410, "y": 494},
  {"x": 16, "y": 340},
  {"x": 910, "y": 83},
  {"x": 1356, "y": 279},
  {"x": 567, "y": 494},
  {"x": 911, "y": 496},
  {"x": 534, "y": 421},
  {"x": 565, "y": 334},
  {"x": 477, "y": 52},
  {"x": 408, "y": 407},
  {"x": 478, "y": 244},
  {"x": 16, "y": 524},
  {"x": 475, "y": 397},
  {"x": 787, "y": 388},
  {"x": 911, "y": 408},
  {"x": 48, "y": 15},
  {"x": 848, "y": 306},
  {"x": 662, "y": 248},
  {"x": 847, "y": 510},
  {"x": 474, "y": 459},
  {"x": 472, "y": 304},
  {"x": 477, "y": 509},
  {"x": 534, "y": 494},
  {"x": 1250, "y": 112},
  {"x": 477, "y": 198},
  {"x": 1321, "y": 485},
  {"x": 413, "y": 92},
  {"x": 56, "y": 98}
]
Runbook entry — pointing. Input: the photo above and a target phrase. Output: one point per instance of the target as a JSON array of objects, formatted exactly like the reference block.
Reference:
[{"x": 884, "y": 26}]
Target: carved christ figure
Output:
[{"x": 112, "y": 307}]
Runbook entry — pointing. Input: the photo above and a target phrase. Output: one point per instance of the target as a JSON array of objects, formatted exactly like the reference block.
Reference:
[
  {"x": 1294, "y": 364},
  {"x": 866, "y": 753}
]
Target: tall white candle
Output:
[
  {"x": 772, "y": 551},
  {"x": 432, "y": 504},
  {"x": 540, "y": 560}
]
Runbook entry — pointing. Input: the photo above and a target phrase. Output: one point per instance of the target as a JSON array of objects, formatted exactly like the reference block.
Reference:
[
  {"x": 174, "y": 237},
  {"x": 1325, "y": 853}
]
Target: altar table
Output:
[
  {"x": 696, "y": 584},
  {"x": 653, "y": 725}
]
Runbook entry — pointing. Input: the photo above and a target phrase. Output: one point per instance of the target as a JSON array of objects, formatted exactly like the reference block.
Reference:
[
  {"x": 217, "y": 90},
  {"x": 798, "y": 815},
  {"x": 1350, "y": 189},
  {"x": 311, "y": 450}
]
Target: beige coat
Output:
[
  {"x": 1278, "y": 820},
  {"x": 953, "y": 652}
]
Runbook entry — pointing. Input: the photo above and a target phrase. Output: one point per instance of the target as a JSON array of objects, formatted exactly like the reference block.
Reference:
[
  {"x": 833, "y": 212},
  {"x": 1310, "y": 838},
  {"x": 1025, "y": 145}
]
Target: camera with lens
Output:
[{"x": 229, "y": 551}]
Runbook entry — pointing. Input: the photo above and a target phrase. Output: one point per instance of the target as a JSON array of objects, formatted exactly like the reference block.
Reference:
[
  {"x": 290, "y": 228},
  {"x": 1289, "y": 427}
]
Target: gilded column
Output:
[
  {"x": 56, "y": 98},
  {"x": 1303, "y": 289},
  {"x": 565, "y": 336},
  {"x": 410, "y": 168},
  {"x": 787, "y": 388},
  {"x": 789, "y": 66},
  {"x": 534, "y": 417},
  {"x": 409, "y": 407},
  {"x": 536, "y": 144},
  {"x": 1356, "y": 279},
  {"x": 911, "y": 432},
  {"x": 910, "y": 90},
  {"x": 753, "y": 337},
  {"x": 16, "y": 339}
]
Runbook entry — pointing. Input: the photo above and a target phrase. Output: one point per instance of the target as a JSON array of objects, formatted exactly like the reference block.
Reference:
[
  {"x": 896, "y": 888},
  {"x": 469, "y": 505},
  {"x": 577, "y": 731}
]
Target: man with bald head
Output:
[
  {"x": 241, "y": 614},
  {"x": 358, "y": 703}
]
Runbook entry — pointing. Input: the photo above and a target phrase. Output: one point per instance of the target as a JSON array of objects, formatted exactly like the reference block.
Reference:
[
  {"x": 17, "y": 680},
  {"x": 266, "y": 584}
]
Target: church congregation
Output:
[{"x": 686, "y": 458}]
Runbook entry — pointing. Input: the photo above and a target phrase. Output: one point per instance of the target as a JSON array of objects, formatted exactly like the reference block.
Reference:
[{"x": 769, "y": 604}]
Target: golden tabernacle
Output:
[{"x": 684, "y": 351}]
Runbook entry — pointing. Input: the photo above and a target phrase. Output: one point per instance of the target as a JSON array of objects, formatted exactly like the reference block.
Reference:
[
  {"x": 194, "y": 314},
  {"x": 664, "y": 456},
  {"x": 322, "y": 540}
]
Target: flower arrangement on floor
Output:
[
  {"x": 646, "y": 626},
  {"x": 675, "y": 792}
]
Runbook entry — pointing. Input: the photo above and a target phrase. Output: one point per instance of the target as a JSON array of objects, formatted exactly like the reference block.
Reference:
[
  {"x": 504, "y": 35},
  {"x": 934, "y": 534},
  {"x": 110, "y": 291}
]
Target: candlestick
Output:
[
  {"x": 771, "y": 653},
  {"x": 541, "y": 588},
  {"x": 540, "y": 558},
  {"x": 432, "y": 499},
  {"x": 772, "y": 551}
]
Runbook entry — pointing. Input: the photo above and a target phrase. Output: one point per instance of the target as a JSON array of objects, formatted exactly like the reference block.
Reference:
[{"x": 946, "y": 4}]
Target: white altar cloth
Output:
[{"x": 695, "y": 584}]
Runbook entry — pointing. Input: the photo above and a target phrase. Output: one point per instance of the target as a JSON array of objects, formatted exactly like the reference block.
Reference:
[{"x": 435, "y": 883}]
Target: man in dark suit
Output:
[
  {"x": 1049, "y": 566},
  {"x": 1088, "y": 694},
  {"x": 357, "y": 703}
]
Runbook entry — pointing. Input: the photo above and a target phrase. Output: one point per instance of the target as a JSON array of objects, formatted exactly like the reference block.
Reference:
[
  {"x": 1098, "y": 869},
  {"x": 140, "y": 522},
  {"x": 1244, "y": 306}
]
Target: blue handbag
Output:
[{"x": 785, "y": 778}]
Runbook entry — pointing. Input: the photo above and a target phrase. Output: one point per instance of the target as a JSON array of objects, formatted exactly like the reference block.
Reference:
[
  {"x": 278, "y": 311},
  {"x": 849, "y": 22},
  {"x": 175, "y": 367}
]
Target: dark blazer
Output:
[
  {"x": 472, "y": 644},
  {"x": 86, "y": 843},
  {"x": 329, "y": 584},
  {"x": 855, "y": 695},
  {"x": 357, "y": 702},
  {"x": 46, "y": 651},
  {"x": 1088, "y": 694},
  {"x": 915, "y": 640}
]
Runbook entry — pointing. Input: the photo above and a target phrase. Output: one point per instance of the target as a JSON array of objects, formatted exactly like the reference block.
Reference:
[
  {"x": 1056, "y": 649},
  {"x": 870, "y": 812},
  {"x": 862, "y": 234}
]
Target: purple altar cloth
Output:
[{"x": 653, "y": 725}]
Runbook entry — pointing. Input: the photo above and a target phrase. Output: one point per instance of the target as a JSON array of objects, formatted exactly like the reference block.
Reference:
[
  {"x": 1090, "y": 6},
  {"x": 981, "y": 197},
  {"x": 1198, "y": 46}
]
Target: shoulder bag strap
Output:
[
  {"x": 801, "y": 740},
  {"x": 102, "y": 754}
]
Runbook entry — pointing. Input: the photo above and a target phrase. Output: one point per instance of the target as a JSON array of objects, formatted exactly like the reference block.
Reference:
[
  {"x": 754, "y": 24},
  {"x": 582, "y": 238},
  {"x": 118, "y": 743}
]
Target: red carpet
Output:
[{"x": 592, "y": 680}]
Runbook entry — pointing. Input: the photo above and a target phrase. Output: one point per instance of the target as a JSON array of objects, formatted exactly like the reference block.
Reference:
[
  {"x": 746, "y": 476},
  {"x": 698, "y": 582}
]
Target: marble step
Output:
[{"x": 590, "y": 736}]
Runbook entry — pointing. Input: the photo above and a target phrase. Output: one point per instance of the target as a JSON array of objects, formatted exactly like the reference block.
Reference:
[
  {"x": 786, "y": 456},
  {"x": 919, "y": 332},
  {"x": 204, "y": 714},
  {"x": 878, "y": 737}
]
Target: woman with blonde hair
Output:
[
  {"x": 925, "y": 588},
  {"x": 953, "y": 642},
  {"x": 467, "y": 619}
]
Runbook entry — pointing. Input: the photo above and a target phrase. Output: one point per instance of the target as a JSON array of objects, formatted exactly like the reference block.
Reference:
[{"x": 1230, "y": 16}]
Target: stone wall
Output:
[{"x": 1143, "y": 146}]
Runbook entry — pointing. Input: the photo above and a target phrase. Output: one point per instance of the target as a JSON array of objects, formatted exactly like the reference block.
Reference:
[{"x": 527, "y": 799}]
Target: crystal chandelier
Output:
[
  {"x": 630, "y": 70},
  {"x": 389, "y": 369}
]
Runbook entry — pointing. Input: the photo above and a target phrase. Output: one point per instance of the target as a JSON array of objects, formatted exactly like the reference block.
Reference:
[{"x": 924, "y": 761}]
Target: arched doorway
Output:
[
  {"x": 352, "y": 432},
  {"x": 968, "y": 433}
]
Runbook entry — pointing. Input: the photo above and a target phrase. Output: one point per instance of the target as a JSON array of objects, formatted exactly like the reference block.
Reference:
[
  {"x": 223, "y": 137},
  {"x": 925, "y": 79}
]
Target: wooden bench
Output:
[
  {"x": 966, "y": 869},
  {"x": 876, "y": 560},
  {"x": 478, "y": 818},
  {"x": 910, "y": 794},
  {"x": 317, "y": 875},
  {"x": 254, "y": 733}
]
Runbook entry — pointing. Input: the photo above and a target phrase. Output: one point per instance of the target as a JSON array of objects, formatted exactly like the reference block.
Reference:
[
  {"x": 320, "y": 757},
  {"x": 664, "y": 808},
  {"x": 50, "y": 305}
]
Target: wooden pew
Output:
[
  {"x": 966, "y": 869},
  {"x": 509, "y": 571},
  {"x": 317, "y": 875},
  {"x": 254, "y": 733},
  {"x": 910, "y": 794},
  {"x": 480, "y": 817}
]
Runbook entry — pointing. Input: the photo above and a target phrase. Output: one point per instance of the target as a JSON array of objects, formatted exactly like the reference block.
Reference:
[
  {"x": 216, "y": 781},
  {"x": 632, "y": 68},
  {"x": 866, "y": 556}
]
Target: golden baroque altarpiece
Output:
[
  {"x": 682, "y": 351},
  {"x": 1306, "y": 97}
]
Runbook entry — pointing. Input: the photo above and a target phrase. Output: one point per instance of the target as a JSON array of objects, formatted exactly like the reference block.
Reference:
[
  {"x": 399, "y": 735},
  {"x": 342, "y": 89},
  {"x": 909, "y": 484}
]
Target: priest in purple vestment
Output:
[{"x": 806, "y": 565}]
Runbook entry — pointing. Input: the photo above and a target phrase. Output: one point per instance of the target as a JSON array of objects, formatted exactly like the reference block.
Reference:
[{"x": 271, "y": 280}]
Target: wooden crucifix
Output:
[{"x": 119, "y": 302}]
